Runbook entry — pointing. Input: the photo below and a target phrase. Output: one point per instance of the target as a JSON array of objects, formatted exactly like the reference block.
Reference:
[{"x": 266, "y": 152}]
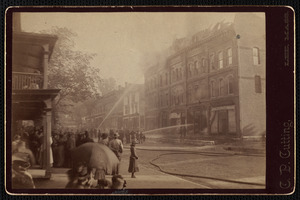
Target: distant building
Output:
[
  {"x": 67, "y": 122},
  {"x": 133, "y": 107},
  {"x": 118, "y": 109},
  {"x": 107, "y": 113},
  {"x": 213, "y": 81}
]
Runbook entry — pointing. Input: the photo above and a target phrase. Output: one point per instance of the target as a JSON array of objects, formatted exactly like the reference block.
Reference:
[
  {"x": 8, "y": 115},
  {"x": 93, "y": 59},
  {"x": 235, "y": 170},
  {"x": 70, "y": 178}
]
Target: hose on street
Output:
[{"x": 197, "y": 176}]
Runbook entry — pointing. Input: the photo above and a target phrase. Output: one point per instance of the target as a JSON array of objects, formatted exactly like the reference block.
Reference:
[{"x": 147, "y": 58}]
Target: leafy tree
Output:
[{"x": 70, "y": 71}]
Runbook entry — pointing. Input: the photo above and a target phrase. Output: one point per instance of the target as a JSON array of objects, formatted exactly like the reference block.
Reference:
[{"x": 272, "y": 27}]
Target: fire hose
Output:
[{"x": 197, "y": 176}]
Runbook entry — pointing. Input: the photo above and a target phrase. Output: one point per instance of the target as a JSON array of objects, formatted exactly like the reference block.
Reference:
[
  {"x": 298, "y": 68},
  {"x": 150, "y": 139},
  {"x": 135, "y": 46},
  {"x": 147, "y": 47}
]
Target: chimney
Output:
[
  {"x": 16, "y": 22},
  {"x": 126, "y": 84}
]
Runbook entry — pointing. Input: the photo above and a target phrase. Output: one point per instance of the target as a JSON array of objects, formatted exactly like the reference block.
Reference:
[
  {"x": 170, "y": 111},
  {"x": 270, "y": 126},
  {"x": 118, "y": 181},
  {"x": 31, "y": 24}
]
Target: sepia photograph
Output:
[{"x": 110, "y": 102}]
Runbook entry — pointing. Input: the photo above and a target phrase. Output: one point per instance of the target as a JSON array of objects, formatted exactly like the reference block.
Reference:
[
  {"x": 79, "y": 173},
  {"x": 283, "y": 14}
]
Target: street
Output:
[{"x": 214, "y": 167}]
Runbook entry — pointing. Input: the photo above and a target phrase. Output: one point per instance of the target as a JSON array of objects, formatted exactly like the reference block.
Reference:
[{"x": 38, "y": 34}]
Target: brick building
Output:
[{"x": 213, "y": 81}]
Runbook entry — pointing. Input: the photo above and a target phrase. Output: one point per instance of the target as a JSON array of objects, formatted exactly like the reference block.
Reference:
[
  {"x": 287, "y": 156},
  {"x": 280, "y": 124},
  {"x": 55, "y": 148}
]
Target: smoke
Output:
[{"x": 196, "y": 27}]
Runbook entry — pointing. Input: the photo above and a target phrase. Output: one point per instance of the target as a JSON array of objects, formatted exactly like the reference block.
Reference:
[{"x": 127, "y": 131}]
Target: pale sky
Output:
[{"x": 125, "y": 42}]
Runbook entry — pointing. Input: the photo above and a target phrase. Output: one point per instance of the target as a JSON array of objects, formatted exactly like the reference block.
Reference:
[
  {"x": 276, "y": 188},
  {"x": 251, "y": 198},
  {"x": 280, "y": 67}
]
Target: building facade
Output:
[
  {"x": 133, "y": 107},
  {"x": 213, "y": 81},
  {"x": 107, "y": 113},
  {"x": 119, "y": 109}
]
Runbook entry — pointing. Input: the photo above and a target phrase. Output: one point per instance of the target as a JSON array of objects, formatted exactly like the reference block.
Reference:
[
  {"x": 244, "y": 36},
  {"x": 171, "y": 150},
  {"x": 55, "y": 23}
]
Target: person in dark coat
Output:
[
  {"x": 61, "y": 149},
  {"x": 79, "y": 138},
  {"x": 87, "y": 138},
  {"x": 103, "y": 139},
  {"x": 70, "y": 145},
  {"x": 133, "y": 136},
  {"x": 54, "y": 145},
  {"x": 99, "y": 135},
  {"x": 111, "y": 135},
  {"x": 133, "y": 164}
]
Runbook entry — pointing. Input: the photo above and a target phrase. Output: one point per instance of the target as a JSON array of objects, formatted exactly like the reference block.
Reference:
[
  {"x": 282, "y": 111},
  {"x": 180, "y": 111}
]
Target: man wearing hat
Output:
[
  {"x": 21, "y": 178},
  {"x": 116, "y": 145}
]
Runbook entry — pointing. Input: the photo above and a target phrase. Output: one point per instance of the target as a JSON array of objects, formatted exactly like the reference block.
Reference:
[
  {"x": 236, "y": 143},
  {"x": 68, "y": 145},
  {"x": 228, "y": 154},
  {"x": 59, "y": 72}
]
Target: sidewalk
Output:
[
  {"x": 145, "y": 179},
  {"x": 250, "y": 146},
  {"x": 149, "y": 178}
]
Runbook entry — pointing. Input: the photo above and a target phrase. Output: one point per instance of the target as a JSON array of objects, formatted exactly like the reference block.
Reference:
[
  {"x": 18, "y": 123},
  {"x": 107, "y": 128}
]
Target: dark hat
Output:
[
  {"x": 17, "y": 137},
  {"x": 116, "y": 134},
  {"x": 104, "y": 135},
  {"x": 86, "y": 133}
]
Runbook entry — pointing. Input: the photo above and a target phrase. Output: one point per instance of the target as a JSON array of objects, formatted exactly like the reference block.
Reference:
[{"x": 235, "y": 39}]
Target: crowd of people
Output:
[
  {"x": 81, "y": 176},
  {"x": 29, "y": 144},
  {"x": 64, "y": 142},
  {"x": 125, "y": 136}
]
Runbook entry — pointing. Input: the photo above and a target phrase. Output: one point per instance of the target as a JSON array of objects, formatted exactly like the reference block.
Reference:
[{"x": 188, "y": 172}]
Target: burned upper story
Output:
[
  {"x": 191, "y": 58},
  {"x": 209, "y": 63},
  {"x": 193, "y": 51}
]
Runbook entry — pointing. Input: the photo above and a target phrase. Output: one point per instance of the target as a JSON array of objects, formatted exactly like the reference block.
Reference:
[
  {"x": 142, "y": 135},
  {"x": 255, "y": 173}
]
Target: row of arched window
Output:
[
  {"x": 222, "y": 60},
  {"x": 158, "y": 81},
  {"x": 197, "y": 67},
  {"x": 217, "y": 61},
  {"x": 218, "y": 87}
]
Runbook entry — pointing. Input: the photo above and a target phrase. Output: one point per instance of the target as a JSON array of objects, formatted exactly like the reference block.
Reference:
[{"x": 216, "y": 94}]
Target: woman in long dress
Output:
[{"x": 133, "y": 164}]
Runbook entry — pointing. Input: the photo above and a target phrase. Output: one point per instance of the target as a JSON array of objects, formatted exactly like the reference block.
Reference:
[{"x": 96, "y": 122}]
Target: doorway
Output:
[{"x": 223, "y": 122}]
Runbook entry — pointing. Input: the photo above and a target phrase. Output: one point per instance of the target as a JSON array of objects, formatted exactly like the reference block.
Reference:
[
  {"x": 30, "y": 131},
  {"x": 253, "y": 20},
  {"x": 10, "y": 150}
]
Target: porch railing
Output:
[{"x": 23, "y": 80}]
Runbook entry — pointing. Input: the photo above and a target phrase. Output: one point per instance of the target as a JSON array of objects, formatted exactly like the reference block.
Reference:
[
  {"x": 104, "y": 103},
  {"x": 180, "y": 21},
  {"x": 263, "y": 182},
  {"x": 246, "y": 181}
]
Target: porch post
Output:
[
  {"x": 48, "y": 145},
  {"x": 48, "y": 119},
  {"x": 45, "y": 65},
  {"x": 44, "y": 163}
]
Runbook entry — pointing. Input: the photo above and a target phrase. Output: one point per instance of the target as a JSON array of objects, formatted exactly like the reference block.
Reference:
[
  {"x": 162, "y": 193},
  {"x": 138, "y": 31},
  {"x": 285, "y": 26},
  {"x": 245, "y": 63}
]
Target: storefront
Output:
[
  {"x": 223, "y": 120},
  {"x": 199, "y": 118}
]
